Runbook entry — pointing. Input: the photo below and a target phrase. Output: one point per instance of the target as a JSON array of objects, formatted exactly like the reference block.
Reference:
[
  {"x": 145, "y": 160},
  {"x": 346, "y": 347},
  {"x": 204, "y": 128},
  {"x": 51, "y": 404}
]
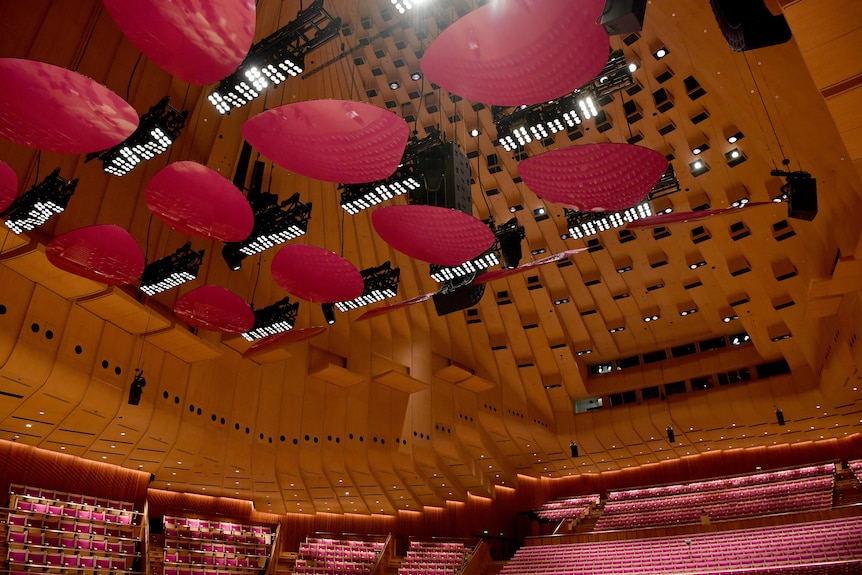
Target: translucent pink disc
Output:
[
  {"x": 315, "y": 274},
  {"x": 520, "y": 51},
  {"x": 506, "y": 272},
  {"x": 105, "y": 253},
  {"x": 198, "y": 41},
  {"x": 594, "y": 177},
  {"x": 431, "y": 234},
  {"x": 377, "y": 311},
  {"x": 8, "y": 185},
  {"x": 196, "y": 200},
  {"x": 54, "y": 109},
  {"x": 216, "y": 309},
  {"x": 283, "y": 339},
  {"x": 330, "y": 140},
  {"x": 677, "y": 217}
]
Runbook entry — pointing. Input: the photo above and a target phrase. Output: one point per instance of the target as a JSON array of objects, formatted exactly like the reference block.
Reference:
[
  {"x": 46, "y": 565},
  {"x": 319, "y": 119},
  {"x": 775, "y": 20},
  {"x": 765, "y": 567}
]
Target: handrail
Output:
[{"x": 386, "y": 543}]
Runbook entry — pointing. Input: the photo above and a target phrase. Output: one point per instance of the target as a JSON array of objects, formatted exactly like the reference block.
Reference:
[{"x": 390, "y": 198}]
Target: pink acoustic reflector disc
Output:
[
  {"x": 196, "y": 200},
  {"x": 331, "y": 140},
  {"x": 315, "y": 274},
  {"x": 58, "y": 110},
  {"x": 594, "y": 177},
  {"x": 283, "y": 339},
  {"x": 395, "y": 306},
  {"x": 8, "y": 185},
  {"x": 677, "y": 217},
  {"x": 506, "y": 272},
  {"x": 519, "y": 51},
  {"x": 216, "y": 309},
  {"x": 198, "y": 41},
  {"x": 435, "y": 235},
  {"x": 105, "y": 253}
]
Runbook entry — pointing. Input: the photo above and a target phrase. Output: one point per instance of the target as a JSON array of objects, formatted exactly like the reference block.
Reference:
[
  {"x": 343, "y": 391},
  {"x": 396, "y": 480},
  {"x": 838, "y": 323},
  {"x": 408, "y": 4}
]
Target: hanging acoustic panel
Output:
[
  {"x": 681, "y": 217},
  {"x": 599, "y": 177},
  {"x": 57, "y": 110},
  {"x": 198, "y": 41},
  {"x": 513, "y": 53},
  {"x": 103, "y": 253},
  {"x": 8, "y": 185},
  {"x": 315, "y": 274},
  {"x": 193, "y": 199},
  {"x": 216, "y": 309},
  {"x": 279, "y": 340},
  {"x": 435, "y": 235},
  {"x": 331, "y": 140}
]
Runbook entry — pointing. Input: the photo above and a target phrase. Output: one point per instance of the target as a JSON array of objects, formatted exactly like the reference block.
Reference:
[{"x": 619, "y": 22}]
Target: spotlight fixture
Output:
[
  {"x": 734, "y": 157},
  {"x": 475, "y": 132},
  {"x": 272, "y": 319},
  {"x": 274, "y": 224},
  {"x": 156, "y": 131},
  {"x": 137, "y": 387},
  {"x": 697, "y": 150},
  {"x": 698, "y": 167},
  {"x": 585, "y": 224},
  {"x": 671, "y": 436},
  {"x": 328, "y": 310},
  {"x": 633, "y": 67},
  {"x": 483, "y": 261},
  {"x": 380, "y": 283},
  {"x": 729, "y": 318},
  {"x": 739, "y": 339},
  {"x": 36, "y": 206},
  {"x": 651, "y": 318},
  {"x": 416, "y": 76},
  {"x": 617, "y": 329},
  {"x": 404, "y": 5},
  {"x": 583, "y": 352},
  {"x": 394, "y": 85},
  {"x": 688, "y": 311},
  {"x": 408, "y": 177},
  {"x": 524, "y": 124},
  {"x": 171, "y": 271},
  {"x": 275, "y": 58},
  {"x": 734, "y": 137},
  {"x": 660, "y": 52}
]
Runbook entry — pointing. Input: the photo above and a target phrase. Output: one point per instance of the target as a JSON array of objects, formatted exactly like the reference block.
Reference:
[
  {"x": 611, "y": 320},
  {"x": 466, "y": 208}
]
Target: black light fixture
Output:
[
  {"x": 734, "y": 157},
  {"x": 698, "y": 167},
  {"x": 409, "y": 177},
  {"x": 574, "y": 449},
  {"x": 38, "y": 204},
  {"x": 328, "y": 310},
  {"x": 137, "y": 387},
  {"x": 671, "y": 436},
  {"x": 585, "y": 224},
  {"x": 416, "y": 76},
  {"x": 272, "y": 319},
  {"x": 156, "y": 131},
  {"x": 779, "y": 415},
  {"x": 483, "y": 261},
  {"x": 394, "y": 85},
  {"x": 521, "y": 125},
  {"x": 274, "y": 224},
  {"x": 275, "y": 58},
  {"x": 660, "y": 52},
  {"x": 172, "y": 271},
  {"x": 509, "y": 236},
  {"x": 800, "y": 190},
  {"x": 379, "y": 283}
]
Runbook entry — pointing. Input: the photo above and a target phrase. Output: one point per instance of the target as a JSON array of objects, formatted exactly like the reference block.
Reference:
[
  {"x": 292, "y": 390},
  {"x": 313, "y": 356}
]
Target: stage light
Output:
[
  {"x": 276, "y": 58},
  {"x": 38, "y": 204},
  {"x": 585, "y": 224},
  {"x": 380, "y": 283},
  {"x": 482, "y": 262},
  {"x": 171, "y": 271},
  {"x": 660, "y": 52},
  {"x": 394, "y": 85},
  {"x": 698, "y": 167},
  {"x": 404, "y": 5},
  {"x": 274, "y": 224},
  {"x": 416, "y": 76},
  {"x": 734, "y": 157},
  {"x": 475, "y": 132},
  {"x": 137, "y": 387},
  {"x": 272, "y": 319},
  {"x": 734, "y": 137},
  {"x": 671, "y": 436},
  {"x": 157, "y": 130},
  {"x": 328, "y": 310}
]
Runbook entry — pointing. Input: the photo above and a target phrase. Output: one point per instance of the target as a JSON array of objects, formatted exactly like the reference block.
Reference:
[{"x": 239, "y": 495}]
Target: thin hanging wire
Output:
[
  {"x": 765, "y": 110},
  {"x": 92, "y": 26},
  {"x": 132, "y": 75}
]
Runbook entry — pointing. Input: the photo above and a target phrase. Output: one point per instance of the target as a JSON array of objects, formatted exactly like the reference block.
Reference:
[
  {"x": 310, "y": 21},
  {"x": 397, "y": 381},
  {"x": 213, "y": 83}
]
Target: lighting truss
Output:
[
  {"x": 171, "y": 271},
  {"x": 408, "y": 177},
  {"x": 272, "y": 319},
  {"x": 275, "y": 58},
  {"x": 36, "y": 206},
  {"x": 274, "y": 223},
  {"x": 585, "y": 224},
  {"x": 482, "y": 262},
  {"x": 156, "y": 131},
  {"x": 379, "y": 283},
  {"x": 507, "y": 244},
  {"x": 524, "y": 124}
]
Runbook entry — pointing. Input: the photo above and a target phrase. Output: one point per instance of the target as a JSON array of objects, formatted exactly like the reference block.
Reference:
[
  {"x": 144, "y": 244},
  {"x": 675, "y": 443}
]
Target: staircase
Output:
[
  {"x": 286, "y": 564},
  {"x": 847, "y": 490},
  {"x": 588, "y": 523},
  {"x": 494, "y": 567},
  {"x": 156, "y": 555}
]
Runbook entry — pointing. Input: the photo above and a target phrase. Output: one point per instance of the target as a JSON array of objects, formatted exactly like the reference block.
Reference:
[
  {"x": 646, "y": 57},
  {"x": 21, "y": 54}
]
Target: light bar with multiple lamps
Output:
[
  {"x": 524, "y": 124},
  {"x": 272, "y": 319},
  {"x": 172, "y": 271},
  {"x": 274, "y": 224},
  {"x": 585, "y": 224},
  {"x": 279, "y": 56},
  {"x": 379, "y": 283},
  {"x": 157, "y": 130},
  {"x": 507, "y": 245},
  {"x": 482, "y": 262},
  {"x": 38, "y": 204}
]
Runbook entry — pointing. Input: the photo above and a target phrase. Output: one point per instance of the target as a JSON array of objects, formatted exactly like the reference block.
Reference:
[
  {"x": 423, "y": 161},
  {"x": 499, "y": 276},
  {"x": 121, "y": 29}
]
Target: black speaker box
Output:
[
  {"x": 446, "y": 174},
  {"x": 802, "y": 192},
  {"x": 623, "y": 16},
  {"x": 460, "y": 298},
  {"x": 748, "y": 24}
]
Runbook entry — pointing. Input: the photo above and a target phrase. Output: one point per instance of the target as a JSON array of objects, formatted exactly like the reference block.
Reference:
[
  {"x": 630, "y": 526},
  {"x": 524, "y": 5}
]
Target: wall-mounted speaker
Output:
[
  {"x": 623, "y": 16},
  {"x": 748, "y": 24}
]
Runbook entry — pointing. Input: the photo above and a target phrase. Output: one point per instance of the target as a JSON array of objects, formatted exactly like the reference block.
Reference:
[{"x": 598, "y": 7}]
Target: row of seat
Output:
[
  {"x": 64, "y": 497},
  {"x": 836, "y": 541},
  {"x": 724, "y": 483},
  {"x": 210, "y": 546},
  {"x": 568, "y": 508},
  {"x": 320, "y": 556},
  {"x": 433, "y": 558},
  {"x": 21, "y": 538},
  {"x": 220, "y": 560},
  {"x": 196, "y": 524},
  {"x": 194, "y": 545},
  {"x": 213, "y": 536},
  {"x": 75, "y": 526},
  {"x": 203, "y": 570},
  {"x": 71, "y": 511},
  {"x": 37, "y": 560}
]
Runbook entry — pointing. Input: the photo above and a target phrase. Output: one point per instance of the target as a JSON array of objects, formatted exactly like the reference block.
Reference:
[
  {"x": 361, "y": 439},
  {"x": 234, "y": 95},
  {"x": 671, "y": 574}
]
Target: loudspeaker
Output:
[
  {"x": 242, "y": 166},
  {"x": 458, "y": 299},
  {"x": 802, "y": 192},
  {"x": 623, "y": 16},
  {"x": 446, "y": 173},
  {"x": 574, "y": 449},
  {"x": 779, "y": 415},
  {"x": 748, "y": 24},
  {"x": 671, "y": 436}
]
